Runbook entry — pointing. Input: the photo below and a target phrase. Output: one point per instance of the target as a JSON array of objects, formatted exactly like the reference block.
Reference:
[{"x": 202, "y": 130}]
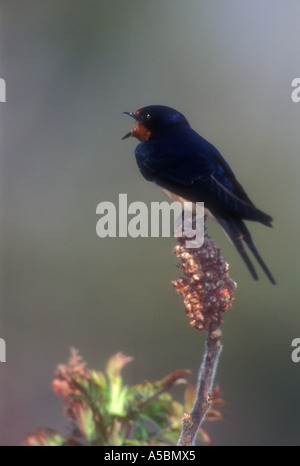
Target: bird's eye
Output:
[{"x": 147, "y": 116}]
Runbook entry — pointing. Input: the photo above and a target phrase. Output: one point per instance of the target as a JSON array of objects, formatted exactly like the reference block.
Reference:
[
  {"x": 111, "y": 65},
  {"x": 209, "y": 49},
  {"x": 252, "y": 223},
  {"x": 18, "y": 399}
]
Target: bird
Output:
[{"x": 188, "y": 167}]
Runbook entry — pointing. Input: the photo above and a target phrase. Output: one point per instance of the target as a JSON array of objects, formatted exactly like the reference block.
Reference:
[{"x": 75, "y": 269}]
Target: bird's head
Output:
[{"x": 154, "y": 119}]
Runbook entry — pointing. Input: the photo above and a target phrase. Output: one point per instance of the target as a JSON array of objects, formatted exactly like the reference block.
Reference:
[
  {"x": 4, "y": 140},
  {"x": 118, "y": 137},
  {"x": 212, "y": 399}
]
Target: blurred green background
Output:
[{"x": 71, "y": 68}]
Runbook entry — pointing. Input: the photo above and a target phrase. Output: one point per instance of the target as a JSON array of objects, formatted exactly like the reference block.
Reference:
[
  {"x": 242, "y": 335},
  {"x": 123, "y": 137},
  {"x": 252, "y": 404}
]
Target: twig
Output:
[
  {"x": 192, "y": 422},
  {"x": 208, "y": 293}
]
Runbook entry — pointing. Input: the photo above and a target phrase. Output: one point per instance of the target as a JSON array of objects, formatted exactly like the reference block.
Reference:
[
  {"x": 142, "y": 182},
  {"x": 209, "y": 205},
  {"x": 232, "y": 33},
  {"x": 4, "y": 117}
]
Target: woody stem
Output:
[{"x": 191, "y": 422}]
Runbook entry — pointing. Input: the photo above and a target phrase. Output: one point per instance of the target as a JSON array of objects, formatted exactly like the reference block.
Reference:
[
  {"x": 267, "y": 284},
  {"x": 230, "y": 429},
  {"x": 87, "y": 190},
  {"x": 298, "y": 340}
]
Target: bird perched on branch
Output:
[{"x": 187, "y": 167}]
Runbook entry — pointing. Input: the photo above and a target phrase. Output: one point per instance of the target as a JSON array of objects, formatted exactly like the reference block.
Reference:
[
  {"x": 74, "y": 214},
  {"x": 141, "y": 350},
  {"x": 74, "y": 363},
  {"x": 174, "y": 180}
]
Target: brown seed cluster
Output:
[{"x": 207, "y": 290}]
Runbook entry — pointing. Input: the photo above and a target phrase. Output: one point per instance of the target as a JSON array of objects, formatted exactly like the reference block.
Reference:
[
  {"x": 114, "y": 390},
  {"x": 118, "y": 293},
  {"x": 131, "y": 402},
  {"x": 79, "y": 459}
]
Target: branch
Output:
[
  {"x": 208, "y": 292},
  {"x": 192, "y": 422}
]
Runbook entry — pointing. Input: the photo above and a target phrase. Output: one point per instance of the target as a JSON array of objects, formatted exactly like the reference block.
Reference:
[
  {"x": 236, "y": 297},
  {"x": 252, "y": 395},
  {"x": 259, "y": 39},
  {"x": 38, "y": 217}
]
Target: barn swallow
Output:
[{"x": 187, "y": 167}]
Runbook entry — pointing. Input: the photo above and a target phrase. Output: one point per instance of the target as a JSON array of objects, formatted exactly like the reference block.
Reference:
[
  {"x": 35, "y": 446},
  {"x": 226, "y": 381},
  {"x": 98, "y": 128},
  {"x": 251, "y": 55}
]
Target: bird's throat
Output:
[{"x": 141, "y": 133}]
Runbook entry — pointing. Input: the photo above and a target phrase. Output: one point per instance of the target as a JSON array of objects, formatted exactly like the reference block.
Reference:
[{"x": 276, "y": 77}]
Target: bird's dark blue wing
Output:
[
  {"x": 172, "y": 158},
  {"x": 198, "y": 173}
]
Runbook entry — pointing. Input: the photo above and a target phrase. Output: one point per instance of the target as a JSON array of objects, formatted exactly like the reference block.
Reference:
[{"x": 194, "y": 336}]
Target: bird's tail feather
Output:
[
  {"x": 238, "y": 232},
  {"x": 248, "y": 240}
]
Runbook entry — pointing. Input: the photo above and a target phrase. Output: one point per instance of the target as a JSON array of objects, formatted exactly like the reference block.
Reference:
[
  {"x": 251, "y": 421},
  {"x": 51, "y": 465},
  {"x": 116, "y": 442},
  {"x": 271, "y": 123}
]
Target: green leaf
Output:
[{"x": 45, "y": 438}]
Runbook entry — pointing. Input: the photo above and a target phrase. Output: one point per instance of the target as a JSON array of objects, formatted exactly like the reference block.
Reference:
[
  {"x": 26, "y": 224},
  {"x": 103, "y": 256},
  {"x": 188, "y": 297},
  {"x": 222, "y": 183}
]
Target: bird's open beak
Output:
[
  {"x": 130, "y": 132},
  {"x": 130, "y": 114},
  {"x": 139, "y": 131},
  {"x": 127, "y": 135}
]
